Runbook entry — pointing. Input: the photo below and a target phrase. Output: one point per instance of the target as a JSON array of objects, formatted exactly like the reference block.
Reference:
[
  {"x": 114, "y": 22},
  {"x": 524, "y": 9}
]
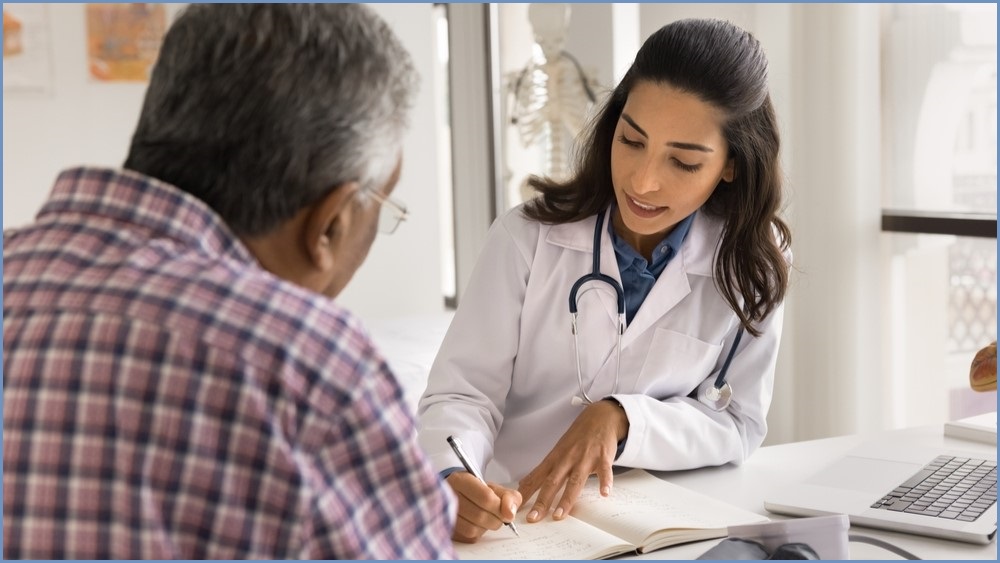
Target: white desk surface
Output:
[
  {"x": 769, "y": 467},
  {"x": 409, "y": 345}
]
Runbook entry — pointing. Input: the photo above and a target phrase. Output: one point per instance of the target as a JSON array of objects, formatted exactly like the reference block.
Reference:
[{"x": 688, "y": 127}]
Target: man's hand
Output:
[
  {"x": 586, "y": 448},
  {"x": 983, "y": 373},
  {"x": 480, "y": 507}
]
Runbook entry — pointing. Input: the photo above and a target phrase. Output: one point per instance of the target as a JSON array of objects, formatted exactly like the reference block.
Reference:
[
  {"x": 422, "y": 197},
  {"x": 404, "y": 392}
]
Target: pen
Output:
[{"x": 460, "y": 452}]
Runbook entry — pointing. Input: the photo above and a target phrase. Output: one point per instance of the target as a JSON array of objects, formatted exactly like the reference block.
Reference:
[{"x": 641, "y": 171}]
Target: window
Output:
[
  {"x": 939, "y": 93},
  {"x": 441, "y": 78}
]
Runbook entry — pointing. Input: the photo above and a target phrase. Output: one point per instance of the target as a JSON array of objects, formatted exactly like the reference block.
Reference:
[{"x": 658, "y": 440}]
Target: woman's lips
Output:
[{"x": 643, "y": 210}]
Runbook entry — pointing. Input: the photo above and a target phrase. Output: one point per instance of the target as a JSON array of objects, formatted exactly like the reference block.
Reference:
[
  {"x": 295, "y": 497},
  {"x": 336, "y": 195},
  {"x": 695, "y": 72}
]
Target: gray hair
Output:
[{"x": 261, "y": 109}]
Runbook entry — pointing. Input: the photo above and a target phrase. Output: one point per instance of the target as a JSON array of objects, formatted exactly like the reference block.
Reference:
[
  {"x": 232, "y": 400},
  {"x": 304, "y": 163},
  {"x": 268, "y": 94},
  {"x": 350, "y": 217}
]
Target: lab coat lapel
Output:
[
  {"x": 696, "y": 256},
  {"x": 669, "y": 289}
]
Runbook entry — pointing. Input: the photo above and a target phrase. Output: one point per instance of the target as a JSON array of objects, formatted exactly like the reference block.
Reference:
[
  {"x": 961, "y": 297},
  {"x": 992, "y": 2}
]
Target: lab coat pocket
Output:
[{"x": 676, "y": 363}]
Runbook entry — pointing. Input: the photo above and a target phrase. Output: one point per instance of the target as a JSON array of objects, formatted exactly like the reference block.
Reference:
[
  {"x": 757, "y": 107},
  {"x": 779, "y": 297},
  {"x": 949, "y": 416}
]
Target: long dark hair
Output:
[{"x": 724, "y": 66}]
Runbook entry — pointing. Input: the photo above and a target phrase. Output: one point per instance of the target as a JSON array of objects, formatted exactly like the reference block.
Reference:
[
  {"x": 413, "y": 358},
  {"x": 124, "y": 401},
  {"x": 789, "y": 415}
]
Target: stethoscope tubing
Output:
[{"x": 595, "y": 275}]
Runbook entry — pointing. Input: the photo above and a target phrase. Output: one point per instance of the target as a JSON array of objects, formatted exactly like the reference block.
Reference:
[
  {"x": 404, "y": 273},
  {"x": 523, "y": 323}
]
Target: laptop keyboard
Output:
[{"x": 957, "y": 488}]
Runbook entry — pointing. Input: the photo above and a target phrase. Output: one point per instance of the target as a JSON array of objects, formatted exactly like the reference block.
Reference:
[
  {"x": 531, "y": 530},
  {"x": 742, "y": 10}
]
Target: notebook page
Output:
[
  {"x": 548, "y": 539},
  {"x": 641, "y": 504}
]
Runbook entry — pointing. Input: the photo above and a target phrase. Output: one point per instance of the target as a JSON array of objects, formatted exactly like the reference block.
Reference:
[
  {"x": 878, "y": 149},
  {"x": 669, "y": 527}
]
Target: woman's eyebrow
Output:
[
  {"x": 628, "y": 119},
  {"x": 690, "y": 146},
  {"x": 676, "y": 144}
]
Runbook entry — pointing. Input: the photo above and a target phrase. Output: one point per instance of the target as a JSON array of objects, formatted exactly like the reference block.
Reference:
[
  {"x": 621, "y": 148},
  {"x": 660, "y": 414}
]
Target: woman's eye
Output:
[
  {"x": 686, "y": 167},
  {"x": 628, "y": 142}
]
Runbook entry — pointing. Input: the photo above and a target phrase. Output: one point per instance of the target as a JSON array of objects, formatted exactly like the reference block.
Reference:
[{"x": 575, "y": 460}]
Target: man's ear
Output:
[
  {"x": 323, "y": 224},
  {"x": 729, "y": 172}
]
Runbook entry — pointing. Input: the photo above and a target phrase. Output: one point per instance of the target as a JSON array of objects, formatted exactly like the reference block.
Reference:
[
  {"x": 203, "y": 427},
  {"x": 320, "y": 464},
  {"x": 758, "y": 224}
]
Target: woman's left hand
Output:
[{"x": 586, "y": 448}]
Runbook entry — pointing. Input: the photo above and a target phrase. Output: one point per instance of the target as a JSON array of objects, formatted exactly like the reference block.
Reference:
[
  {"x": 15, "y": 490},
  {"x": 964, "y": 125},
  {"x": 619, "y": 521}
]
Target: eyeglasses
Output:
[{"x": 391, "y": 214}]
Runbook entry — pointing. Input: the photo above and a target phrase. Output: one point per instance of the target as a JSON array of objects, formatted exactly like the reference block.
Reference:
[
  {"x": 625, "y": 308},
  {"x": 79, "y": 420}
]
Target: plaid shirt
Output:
[{"x": 165, "y": 397}]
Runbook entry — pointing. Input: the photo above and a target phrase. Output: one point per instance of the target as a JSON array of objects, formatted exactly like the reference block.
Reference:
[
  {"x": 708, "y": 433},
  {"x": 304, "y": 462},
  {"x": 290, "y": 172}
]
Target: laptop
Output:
[{"x": 902, "y": 488}]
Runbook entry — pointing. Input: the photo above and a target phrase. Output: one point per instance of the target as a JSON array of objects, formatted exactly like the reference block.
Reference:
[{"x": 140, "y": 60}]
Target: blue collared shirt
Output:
[{"x": 638, "y": 275}]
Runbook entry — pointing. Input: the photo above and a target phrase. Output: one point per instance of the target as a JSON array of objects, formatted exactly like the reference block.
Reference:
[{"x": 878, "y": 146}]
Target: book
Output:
[
  {"x": 643, "y": 513},
  {"x": 979, "y": 428}
]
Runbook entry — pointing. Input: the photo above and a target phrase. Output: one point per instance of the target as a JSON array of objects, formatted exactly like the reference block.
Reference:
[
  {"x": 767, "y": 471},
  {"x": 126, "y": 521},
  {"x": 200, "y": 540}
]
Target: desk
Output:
[
  {"x": 769, "y": 467},
  {"x": 409, "y": 345}
]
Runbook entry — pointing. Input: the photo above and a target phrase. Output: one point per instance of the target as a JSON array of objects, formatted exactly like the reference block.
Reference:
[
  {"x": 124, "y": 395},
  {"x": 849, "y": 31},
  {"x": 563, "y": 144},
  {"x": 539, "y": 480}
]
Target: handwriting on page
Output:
[
  {"x": 548, "y": 539},
  {"x": 636, "y": 504},
  {"x": 548, "y": 546},
  {"x": 641, "y": 504}
]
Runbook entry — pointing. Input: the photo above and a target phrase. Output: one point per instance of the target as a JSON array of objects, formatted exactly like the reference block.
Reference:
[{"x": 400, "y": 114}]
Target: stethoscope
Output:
[{"x": 717, "y": 396}]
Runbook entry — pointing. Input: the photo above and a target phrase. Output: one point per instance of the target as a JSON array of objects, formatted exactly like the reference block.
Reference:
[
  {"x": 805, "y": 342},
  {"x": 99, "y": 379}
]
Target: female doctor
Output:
[{"x": 631, "y": 315}]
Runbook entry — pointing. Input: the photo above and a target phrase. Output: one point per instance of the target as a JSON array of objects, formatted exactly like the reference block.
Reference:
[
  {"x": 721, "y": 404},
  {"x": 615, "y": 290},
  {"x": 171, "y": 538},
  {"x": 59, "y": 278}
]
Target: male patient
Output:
[{"x": 177, "y": 382}]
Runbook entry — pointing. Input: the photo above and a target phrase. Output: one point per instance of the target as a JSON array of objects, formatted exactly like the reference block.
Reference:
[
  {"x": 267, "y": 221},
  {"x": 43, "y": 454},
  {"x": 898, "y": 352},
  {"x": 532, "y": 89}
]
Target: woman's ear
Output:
[
  {"x": 729, "y": 172},
  {"x": 324, "y": 223}
]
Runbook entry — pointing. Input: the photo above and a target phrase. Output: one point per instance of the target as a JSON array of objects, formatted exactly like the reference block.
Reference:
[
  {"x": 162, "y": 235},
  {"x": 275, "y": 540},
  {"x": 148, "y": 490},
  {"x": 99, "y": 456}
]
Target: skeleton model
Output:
[{"x": 552, "y": 94}]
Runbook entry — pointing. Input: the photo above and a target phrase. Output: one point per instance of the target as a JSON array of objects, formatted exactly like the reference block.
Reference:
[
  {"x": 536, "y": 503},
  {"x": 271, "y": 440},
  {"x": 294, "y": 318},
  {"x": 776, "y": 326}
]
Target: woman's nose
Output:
[{"x": 645, "y": 179}]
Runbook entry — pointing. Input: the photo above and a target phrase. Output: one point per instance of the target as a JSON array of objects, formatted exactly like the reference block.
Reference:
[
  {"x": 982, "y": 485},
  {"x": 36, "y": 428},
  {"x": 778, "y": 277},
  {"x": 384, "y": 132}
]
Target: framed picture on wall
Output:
[
  {"x": 123, "y": 40},
  {"x": 27, "y": 48}
]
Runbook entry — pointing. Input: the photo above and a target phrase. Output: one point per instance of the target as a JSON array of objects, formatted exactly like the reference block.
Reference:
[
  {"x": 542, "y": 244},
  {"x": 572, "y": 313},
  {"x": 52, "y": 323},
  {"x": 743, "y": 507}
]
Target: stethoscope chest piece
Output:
[{"x": 717, "y": 398}]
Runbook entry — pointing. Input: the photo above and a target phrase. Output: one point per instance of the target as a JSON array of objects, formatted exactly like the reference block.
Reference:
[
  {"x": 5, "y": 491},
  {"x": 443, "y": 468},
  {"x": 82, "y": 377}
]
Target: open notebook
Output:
[{"x": 643, "y": 513}]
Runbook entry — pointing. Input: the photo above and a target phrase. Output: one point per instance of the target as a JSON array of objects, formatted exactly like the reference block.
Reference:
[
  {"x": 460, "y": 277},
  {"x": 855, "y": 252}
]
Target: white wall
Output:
[
  {"x": 402, "y": 276},
  {"x": 77, "y": 121},
  {"x": 836, "y": 184},
  {"x": 80, "y": 121}
]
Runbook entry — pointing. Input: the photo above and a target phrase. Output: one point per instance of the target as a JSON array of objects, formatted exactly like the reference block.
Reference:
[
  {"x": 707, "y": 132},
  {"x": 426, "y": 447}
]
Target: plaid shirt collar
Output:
[{"x": 158, "y": 208}]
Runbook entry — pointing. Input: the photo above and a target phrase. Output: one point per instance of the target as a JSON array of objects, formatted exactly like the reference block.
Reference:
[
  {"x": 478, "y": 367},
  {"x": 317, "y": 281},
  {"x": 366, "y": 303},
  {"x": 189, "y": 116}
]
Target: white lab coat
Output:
[{"x": 505, "y": 375}]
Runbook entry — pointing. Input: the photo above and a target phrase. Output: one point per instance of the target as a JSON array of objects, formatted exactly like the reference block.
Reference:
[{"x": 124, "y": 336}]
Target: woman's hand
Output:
[
  {"x": 481, "y": 507},
  {"x": 586, "y": 448}
]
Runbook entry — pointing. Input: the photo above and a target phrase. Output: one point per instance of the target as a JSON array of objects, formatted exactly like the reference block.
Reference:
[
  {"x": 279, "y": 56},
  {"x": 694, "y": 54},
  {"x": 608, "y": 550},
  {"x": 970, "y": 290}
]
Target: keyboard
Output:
[{"x": 957, "y": 488}]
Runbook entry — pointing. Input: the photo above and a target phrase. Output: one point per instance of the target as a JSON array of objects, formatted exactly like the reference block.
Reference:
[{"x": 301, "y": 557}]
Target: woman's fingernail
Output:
[
  {"x": 558, "y": 514},
  {"x": 533, "y": 515},
  {"x": 606, "y": 490},
  {"x": 513, "y": 508}
]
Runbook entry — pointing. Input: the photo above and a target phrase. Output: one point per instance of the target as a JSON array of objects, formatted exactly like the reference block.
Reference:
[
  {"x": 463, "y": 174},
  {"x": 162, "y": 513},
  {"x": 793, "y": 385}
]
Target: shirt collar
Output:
[
  {"x": 666, "y": 249},
  {"x": 160, "y": 209}
]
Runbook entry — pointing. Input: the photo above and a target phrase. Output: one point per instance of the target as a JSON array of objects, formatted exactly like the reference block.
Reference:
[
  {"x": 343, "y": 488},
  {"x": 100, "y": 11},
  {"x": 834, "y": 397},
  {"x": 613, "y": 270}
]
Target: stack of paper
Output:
[{"x": 980, "y": 428}]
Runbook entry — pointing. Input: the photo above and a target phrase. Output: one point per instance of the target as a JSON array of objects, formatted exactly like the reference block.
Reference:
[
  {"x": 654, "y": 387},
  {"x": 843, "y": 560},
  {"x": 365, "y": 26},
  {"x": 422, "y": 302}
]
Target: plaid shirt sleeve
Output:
[{"x": 375, "y": 494}]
